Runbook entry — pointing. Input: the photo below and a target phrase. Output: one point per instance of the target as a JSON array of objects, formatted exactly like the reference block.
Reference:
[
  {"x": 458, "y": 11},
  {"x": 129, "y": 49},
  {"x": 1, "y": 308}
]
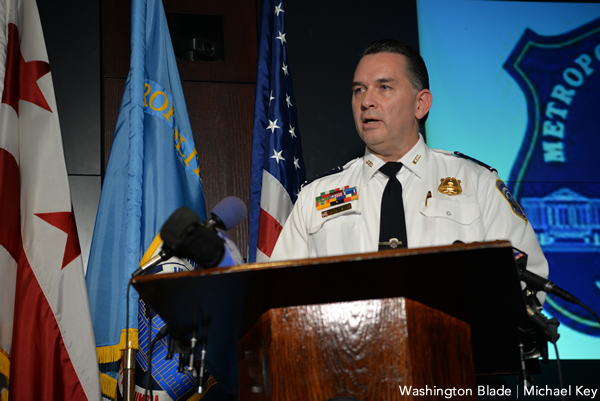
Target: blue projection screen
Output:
[{"x": 517, "y": 86}]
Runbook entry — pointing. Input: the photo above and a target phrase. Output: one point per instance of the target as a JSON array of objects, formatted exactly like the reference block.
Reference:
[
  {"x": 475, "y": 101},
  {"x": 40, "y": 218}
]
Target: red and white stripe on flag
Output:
[
  {"x": 46, "y": 338},
  {"x": 275, "y": 207}
]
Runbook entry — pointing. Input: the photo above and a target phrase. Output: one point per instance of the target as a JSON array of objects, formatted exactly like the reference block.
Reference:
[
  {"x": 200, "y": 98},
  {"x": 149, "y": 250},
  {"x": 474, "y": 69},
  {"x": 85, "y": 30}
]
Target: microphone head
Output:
[
  {"x": 185, "y": 237},
  {"x": 230, "y": 211},
  {"x": 176, "y": 227}
]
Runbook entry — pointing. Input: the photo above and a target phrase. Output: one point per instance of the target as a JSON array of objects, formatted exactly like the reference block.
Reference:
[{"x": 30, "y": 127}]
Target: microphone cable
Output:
[
  {"x": 150, "y": 346},
  {"x": 560, "y": 375},
  {"x": 159, "y": 336},
  {"x": 587, "y": 308}
]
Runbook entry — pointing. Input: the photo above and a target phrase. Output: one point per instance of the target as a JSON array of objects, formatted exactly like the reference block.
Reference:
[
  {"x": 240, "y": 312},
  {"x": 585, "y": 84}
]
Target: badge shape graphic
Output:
[
  {"x": 450, "y": 186},
  {"x": 555, "y": 176}
]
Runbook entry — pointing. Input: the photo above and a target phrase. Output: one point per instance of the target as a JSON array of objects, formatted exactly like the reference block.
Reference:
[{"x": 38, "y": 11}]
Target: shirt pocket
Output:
[
  {"x": 463, "y": 213},
  {"x": 446, "y": 221},
  {"x": 338, "y": 234}
]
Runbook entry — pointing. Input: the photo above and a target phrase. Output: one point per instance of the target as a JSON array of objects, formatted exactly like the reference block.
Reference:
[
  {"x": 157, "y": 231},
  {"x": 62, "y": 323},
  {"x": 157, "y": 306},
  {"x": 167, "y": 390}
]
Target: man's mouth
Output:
[{"x": 368, "y": 121}]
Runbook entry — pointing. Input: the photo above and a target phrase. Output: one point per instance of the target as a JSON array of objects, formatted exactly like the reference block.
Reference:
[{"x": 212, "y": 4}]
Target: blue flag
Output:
[
  {"x": 152, "y": 171},
  {"x": 277, "y": 164}
]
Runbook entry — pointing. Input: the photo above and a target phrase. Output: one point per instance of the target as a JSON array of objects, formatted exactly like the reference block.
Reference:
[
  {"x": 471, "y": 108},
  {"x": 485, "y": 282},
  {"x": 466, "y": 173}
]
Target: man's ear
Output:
[{"x": 424, "y": 100}]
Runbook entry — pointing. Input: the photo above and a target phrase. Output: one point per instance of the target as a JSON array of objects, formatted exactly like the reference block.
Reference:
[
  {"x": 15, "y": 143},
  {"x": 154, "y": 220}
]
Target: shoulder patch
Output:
[
  {"x": 516, "y": 208},
  {"x": 475, "y": 161}
]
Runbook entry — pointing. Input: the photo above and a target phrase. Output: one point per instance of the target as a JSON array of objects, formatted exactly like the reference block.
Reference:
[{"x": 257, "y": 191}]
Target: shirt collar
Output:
[
  {"x": 414, "y": 160},
  {"x": 370, "y": 165}
]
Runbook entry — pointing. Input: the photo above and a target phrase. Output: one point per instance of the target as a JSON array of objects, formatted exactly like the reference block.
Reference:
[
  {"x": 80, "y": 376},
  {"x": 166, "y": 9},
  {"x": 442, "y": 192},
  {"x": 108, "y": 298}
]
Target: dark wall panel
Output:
[
  {"x": 239, "y": 24},
  {"x": 113, "y": 92},
  {"x": 222, "y": 117}
]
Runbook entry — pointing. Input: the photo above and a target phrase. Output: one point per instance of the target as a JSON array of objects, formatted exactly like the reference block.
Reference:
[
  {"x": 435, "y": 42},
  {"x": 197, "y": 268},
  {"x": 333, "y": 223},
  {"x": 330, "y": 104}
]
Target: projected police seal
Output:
[{"x": 555, "y": 174}]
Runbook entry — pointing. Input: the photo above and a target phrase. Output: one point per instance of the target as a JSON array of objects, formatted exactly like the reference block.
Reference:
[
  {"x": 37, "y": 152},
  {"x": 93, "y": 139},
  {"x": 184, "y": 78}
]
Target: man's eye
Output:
[
  {"x": 358, "y": 90},
  {"x": 385, "y": 87}
]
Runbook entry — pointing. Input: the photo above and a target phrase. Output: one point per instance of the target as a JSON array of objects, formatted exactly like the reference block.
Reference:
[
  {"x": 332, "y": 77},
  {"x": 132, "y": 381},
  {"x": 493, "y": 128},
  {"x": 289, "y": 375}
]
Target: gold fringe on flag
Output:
[
  {"x": 4, "y": 371},
  {"x": 108, "y": 386},
  {"x": 4, "y": 363},
  {"x": 113, "y": 353}
]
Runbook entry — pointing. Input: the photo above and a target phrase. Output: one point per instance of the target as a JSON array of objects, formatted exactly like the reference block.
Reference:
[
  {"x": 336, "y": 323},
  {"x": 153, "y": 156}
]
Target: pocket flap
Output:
[{"x": 461, "y": 212}]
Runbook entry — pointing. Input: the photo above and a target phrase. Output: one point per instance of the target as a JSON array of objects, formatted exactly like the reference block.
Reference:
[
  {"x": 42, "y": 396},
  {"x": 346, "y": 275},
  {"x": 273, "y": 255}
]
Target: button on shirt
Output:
[{"x": 479, "y": 213}]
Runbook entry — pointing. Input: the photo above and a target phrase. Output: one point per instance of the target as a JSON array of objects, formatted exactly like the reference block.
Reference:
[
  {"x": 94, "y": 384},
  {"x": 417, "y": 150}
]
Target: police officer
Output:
[{"x": 446, "y": 197}]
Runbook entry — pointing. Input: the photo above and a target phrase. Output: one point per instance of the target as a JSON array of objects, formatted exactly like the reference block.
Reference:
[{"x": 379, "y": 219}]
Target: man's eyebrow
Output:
[
  {"x": 384, "y": 80},
  {"x": 381, "y": 80}
]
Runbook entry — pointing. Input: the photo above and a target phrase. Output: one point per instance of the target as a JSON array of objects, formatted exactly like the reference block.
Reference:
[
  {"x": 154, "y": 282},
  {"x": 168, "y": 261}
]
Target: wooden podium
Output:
[
  {"x": 353, "y": 327},
  {"x": 366, "y": 350}
]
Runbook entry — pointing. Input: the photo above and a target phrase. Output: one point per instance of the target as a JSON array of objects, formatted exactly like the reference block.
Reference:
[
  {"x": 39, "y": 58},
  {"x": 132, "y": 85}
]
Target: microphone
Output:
[
  {"x": 227, "y": 214},
  {"x": 538, "y": 283},
  {"x": 184, "y": 236},
  {"x": 535, "y": 282},
  {"x": 181, "y": 221}
]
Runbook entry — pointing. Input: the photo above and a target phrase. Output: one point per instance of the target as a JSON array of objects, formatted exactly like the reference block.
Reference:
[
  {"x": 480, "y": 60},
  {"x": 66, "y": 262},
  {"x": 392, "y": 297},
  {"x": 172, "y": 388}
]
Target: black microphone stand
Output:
[
  {"x": 535, "y": 335},
  {"x": 187, "y": 356}
]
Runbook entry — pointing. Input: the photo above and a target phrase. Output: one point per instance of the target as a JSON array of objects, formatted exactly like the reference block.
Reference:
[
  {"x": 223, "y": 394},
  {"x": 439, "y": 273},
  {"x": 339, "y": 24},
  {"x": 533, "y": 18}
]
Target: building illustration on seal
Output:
[{"x": 565, "y": 221}]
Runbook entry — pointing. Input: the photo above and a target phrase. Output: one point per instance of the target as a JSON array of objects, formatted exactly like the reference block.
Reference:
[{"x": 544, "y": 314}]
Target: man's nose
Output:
[{"x": 368, "y": 100}]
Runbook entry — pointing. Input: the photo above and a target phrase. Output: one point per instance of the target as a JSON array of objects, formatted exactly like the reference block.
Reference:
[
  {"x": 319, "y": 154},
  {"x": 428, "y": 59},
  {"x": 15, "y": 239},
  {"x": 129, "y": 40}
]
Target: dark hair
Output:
[{"x": 416, "y": 71}]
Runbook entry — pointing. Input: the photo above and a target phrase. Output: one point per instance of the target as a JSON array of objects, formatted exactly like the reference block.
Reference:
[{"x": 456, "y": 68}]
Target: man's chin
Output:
[
  {"x": 374, "y": 142},
  {"x": 372, "y": 137},
  {"x": 377, "y": 149}
]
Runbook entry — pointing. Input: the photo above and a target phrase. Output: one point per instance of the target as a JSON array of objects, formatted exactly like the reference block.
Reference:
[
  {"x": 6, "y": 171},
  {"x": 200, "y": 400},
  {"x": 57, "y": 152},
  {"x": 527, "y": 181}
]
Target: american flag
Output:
[{"x": 277, "y": 164}]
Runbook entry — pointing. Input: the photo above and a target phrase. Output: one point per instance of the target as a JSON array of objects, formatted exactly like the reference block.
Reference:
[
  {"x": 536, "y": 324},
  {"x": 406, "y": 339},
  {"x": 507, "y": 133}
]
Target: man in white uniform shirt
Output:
[{"x": 446, "y": 197}]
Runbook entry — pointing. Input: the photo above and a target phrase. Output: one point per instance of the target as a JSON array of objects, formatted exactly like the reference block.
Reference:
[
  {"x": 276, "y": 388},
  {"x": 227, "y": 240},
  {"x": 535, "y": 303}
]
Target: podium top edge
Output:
[{"x": 329, "y": 260}]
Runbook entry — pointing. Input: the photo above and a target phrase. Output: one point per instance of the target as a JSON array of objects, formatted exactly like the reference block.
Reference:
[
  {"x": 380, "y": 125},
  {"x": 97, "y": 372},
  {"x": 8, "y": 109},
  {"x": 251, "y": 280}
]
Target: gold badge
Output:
[
  {"x": 369, "y": 163},
  {"x": 450, "y": 186},
  {"x": 416, "y": 159}
]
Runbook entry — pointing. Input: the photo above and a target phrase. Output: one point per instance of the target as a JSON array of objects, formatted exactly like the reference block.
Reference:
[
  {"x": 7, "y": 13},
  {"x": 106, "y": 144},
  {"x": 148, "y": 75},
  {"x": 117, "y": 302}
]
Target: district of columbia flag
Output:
[
  {"x": 277, "y": 163},
  {"x": 47, "y": 347},
  {"x": 152, "y": 171}
]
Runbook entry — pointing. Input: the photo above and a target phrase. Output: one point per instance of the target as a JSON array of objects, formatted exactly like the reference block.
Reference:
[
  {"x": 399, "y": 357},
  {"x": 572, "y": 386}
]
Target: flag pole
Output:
[
  {"x": 129, "y": 373},
  {"x": 139, "y": 11}
]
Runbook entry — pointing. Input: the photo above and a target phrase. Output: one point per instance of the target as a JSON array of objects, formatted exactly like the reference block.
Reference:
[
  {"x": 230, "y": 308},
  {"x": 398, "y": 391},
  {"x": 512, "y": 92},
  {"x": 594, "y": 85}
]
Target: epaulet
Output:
[
  {"x": 476, "y": 161},
  {"x": 325, "y": 174}
]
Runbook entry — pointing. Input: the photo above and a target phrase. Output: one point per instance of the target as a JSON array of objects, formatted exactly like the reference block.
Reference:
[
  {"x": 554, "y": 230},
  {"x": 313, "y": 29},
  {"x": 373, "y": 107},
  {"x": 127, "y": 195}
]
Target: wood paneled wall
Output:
[{"x": 219, "y": 95}]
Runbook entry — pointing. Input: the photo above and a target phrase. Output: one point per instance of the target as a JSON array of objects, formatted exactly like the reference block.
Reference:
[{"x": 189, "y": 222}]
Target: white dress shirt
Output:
[{"x": 483, "y": 211}]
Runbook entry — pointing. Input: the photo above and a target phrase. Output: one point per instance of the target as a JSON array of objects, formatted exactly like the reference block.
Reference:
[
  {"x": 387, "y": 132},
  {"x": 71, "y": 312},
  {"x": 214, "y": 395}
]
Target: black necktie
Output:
[{"x": 392, "y": 227}]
